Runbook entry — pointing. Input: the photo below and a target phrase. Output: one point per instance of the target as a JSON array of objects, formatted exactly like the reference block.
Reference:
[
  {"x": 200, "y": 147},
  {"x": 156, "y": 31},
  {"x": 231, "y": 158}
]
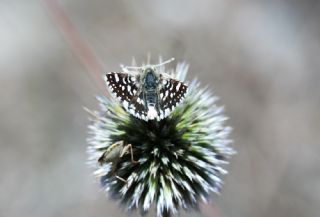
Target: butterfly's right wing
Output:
[
  {"x": 172, "y": 94},
  {"x": 123, "y": 87}
]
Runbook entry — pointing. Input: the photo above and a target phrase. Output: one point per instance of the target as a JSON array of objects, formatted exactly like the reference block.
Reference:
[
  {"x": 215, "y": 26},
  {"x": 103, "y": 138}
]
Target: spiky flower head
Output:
[{"x": 180, "y": 158}]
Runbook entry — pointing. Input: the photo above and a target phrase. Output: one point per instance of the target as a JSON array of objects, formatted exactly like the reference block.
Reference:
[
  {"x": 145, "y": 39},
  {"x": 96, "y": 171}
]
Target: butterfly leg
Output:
[{"x": 131, "y": 73}]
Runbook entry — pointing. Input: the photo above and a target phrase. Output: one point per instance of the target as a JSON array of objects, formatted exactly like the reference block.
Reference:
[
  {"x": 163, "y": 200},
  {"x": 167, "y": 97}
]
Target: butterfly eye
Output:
[{"x": 148, "y": 71}]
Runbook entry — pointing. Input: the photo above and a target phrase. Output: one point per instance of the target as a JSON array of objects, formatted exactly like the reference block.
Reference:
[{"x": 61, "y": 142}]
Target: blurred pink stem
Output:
[{"x": 77, "y": 44}]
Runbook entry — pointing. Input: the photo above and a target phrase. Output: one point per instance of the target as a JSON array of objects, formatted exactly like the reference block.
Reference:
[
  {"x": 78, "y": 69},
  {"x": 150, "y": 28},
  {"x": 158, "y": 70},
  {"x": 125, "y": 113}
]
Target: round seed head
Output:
[{"x": 180, "y": 158}]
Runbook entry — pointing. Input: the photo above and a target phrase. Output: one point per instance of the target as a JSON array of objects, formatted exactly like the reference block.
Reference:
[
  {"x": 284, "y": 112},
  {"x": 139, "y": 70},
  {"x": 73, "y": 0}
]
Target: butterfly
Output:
[{"x": 147, "y": 94}]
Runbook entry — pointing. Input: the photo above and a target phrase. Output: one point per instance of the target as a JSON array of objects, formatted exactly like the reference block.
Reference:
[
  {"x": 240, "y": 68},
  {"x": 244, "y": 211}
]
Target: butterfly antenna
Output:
[
  {"x": 141, "y": 67},
  {"x": 165, "y": 62},
  {"x": 134, "y": 67},
  {"x": 148, "y": 58}
]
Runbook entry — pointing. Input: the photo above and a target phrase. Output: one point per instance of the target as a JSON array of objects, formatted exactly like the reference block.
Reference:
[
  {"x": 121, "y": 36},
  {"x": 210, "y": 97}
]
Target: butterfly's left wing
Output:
[
  {"x": 171, "y": 95},
  {"x": 124, "y": 88}
]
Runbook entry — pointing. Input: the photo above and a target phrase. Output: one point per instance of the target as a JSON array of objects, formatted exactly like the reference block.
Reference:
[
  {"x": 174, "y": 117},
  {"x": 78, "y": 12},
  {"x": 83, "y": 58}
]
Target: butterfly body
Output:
[
  {"x": 147, "y": 94},
  {"x": 150, "y": 91}
]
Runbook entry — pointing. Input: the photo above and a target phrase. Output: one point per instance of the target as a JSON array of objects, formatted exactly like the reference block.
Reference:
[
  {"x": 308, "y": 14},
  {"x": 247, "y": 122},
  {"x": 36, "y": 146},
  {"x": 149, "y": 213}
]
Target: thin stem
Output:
[{"x": 76, "y": 43}]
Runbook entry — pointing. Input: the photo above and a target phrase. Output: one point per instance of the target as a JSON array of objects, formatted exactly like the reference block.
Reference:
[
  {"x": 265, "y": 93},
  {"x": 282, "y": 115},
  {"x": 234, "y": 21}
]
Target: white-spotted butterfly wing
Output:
[
  {"x": 171, "y": 95},
  {"x": 124, "y": 88}
]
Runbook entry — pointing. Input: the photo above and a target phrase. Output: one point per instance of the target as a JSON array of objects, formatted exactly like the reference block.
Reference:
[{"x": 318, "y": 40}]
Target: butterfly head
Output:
[{"x": 150, "y": 78}]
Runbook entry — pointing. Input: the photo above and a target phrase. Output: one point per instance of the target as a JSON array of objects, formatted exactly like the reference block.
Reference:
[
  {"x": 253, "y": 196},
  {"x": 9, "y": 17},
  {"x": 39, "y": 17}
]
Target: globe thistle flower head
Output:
[{"x": 173, "y": 163}]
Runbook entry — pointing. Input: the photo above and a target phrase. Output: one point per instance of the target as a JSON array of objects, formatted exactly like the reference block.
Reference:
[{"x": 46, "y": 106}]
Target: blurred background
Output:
[{"x": 261, "y": 57}]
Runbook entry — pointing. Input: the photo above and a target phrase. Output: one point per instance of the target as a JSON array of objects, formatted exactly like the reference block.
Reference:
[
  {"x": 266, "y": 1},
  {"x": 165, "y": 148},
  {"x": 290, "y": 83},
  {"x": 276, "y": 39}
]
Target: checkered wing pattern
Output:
[
  {"x": 171, "y": 95},
  {"x": 123, "y": 87}
]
